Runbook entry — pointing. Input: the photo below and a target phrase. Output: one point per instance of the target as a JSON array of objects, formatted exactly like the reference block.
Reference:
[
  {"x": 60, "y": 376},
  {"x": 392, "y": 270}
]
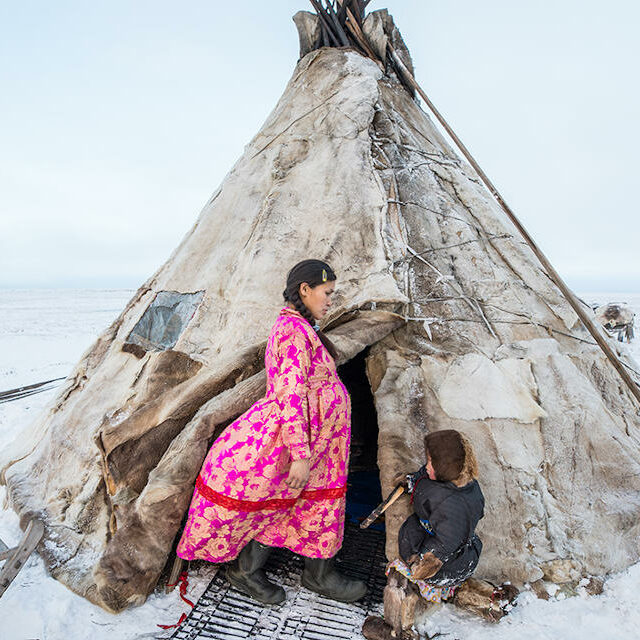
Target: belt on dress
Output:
[{"x": 233, "y": 504}]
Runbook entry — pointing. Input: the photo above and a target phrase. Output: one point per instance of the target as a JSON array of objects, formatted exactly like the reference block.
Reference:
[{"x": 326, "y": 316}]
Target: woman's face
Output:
[{"x": 317, "y": 299}]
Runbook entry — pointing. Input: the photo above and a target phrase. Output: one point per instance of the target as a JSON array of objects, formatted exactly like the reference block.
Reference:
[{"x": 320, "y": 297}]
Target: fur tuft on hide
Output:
[{"x": 470, "y": 468}]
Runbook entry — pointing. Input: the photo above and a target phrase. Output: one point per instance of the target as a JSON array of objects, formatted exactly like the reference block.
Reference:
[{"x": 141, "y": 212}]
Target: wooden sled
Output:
[{"x": 15, "y": 558}]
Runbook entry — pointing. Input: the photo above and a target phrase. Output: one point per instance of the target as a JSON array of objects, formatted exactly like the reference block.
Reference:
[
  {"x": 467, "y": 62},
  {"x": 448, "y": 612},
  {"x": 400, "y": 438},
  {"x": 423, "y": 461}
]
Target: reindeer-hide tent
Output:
[{"x": 460, "y": 326}]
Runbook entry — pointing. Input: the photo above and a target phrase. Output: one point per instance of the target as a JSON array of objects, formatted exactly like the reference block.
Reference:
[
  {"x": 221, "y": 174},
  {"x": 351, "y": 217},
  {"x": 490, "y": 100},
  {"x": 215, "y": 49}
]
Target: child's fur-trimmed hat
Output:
[{"x": 451, "y": 455}]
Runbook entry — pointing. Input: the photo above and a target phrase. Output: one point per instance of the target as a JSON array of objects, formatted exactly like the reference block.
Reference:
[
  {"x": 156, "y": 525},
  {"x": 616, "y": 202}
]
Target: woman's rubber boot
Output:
[
  {"x": 319, "y": 575},
  {"x": 247, "y": 575}
]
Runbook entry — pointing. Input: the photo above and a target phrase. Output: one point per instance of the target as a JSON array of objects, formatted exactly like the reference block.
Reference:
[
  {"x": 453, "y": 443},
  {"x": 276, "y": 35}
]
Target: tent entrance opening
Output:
[{"x": 363, "y": 493}]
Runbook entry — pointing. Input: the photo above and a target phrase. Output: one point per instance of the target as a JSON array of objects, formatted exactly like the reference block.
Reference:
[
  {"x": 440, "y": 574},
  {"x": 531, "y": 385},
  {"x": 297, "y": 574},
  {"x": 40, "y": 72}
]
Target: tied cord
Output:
[
  {"x": 414, "y": 478},
  {"x": 184, "y": 583}
]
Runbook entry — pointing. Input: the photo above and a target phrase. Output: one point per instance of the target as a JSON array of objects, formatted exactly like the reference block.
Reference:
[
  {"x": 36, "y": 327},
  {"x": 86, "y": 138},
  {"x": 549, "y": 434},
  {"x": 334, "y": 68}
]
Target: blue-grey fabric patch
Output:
[
  {"x": 164, "y": 320},
  {"x": 426, "y": 525}
]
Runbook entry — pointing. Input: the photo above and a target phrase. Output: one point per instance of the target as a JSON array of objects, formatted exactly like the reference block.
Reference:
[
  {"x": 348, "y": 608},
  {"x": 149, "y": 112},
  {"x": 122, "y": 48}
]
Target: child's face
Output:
[{"x": 430, "y": 472}]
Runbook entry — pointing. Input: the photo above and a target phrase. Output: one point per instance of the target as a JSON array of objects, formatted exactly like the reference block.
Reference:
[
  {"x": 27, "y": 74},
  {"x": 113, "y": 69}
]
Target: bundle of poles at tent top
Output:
[{"x": 341, "y": 23}]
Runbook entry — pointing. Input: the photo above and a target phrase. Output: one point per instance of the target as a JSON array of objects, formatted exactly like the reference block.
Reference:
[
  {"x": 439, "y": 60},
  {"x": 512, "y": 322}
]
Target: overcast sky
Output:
[{"x": 119, "y": 119}]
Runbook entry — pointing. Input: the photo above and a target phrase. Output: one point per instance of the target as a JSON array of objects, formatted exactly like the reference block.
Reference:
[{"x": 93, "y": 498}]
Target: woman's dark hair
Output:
[{"x": 313, "y": 272}]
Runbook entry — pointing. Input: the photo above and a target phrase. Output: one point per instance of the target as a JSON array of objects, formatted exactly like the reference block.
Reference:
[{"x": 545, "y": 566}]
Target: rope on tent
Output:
[
  {"x": 457, "y": 289},
  {"x": 28, "y": 390},
  {"x": 435, "y": 320},
  {"x": 554, "y": 276}
]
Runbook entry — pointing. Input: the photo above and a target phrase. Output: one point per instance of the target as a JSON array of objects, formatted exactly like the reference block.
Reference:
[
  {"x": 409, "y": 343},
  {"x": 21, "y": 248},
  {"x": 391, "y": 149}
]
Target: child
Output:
[{"x": 437, "y": 543}]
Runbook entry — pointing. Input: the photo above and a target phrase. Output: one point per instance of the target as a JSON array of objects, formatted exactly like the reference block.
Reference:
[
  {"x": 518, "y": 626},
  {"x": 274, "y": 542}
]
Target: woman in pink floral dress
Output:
[{"x": 277, "y": 476}]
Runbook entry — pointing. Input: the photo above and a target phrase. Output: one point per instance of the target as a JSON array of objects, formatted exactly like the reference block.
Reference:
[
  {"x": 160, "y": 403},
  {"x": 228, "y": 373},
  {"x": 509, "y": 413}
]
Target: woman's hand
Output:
[{"x": 298, "y": 474}]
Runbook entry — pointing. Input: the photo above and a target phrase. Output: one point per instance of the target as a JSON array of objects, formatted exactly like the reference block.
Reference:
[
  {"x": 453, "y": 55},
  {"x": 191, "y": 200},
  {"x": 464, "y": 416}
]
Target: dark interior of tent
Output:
[{"x": 363, "y": 492}]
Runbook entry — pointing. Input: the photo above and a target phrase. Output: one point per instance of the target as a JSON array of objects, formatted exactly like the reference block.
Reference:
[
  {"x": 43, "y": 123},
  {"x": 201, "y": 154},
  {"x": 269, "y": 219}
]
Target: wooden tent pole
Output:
[
  {"x": 356, "y": 32},
  {"x": 174, "y": 574},
  {"x": 551, "y": 272}
]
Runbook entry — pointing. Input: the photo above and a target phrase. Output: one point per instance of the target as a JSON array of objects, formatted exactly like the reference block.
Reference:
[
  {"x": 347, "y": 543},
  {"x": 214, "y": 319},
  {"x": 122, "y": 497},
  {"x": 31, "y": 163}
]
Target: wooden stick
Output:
[
  {"x": 325, "y": 22},
  {"x": 6, "y": 553},
  {"x": 383, "y": 506},
  {"x": 551, "y": 272},
  {"x": 355, "y": 29},
  {"x": 324, "y": 37},
  {"x": 359, "y": 11},
  {"x": 176, "y": 570},
  {"x": 342, "y": 12},
  {"x": 27, "y": 389},
  {"x": 356, "y": 32},
  {"x": 338, "y": 26}
]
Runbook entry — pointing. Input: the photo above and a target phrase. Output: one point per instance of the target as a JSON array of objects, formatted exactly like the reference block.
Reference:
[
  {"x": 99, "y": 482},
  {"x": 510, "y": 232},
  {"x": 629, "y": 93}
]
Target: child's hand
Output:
[
  {"x": 400, "y": 478},
  {"x": 425, "y": 567}
]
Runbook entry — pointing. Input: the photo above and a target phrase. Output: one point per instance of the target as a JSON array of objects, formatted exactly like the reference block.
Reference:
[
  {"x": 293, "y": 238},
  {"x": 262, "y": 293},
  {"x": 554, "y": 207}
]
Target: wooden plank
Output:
[{"x": 30, "y": 540}]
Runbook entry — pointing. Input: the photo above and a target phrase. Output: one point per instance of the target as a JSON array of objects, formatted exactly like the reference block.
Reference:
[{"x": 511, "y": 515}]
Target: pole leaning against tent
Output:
[{"x": 551, "y": 272}]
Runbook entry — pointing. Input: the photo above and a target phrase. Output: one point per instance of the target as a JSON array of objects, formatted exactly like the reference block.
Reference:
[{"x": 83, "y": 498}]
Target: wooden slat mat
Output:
[{"x": 224, "y": 613}]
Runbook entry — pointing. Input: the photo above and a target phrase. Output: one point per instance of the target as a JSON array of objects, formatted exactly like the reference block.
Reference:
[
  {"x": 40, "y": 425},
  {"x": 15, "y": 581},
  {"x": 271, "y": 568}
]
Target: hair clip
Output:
[{"x": 324, "y": 275}]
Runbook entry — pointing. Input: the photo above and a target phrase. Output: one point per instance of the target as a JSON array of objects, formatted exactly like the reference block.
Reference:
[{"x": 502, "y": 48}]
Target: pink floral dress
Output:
[{"x": 241, "y": 493}]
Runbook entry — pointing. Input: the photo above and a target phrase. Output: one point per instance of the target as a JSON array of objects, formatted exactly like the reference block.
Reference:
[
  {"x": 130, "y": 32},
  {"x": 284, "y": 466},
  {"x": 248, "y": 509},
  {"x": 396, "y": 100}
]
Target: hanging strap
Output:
[{"x": 184, "y": 584}]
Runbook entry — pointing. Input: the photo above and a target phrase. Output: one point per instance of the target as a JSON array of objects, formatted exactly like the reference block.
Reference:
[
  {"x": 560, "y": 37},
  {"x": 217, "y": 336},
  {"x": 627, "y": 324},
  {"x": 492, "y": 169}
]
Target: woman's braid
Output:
[{"x": 301, "y": 307}]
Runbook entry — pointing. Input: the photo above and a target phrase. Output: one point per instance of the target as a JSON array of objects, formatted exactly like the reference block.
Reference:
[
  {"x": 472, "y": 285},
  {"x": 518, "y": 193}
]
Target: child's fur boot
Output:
[
  {"x": 400, "y": 601},
  {"x": 375, "y": 628}
]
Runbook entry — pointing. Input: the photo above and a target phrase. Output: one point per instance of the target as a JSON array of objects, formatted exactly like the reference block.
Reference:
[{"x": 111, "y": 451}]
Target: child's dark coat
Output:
[{"x": 443, "y": 523}]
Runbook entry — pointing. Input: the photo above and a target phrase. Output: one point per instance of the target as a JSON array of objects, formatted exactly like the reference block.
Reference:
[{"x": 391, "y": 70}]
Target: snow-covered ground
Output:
[{"x": 43, "y": 333}]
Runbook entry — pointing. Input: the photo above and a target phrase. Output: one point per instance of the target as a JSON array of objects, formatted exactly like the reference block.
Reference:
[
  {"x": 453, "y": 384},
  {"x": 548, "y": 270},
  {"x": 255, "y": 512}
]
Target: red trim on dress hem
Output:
[{"x": 234, "y": 504}]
